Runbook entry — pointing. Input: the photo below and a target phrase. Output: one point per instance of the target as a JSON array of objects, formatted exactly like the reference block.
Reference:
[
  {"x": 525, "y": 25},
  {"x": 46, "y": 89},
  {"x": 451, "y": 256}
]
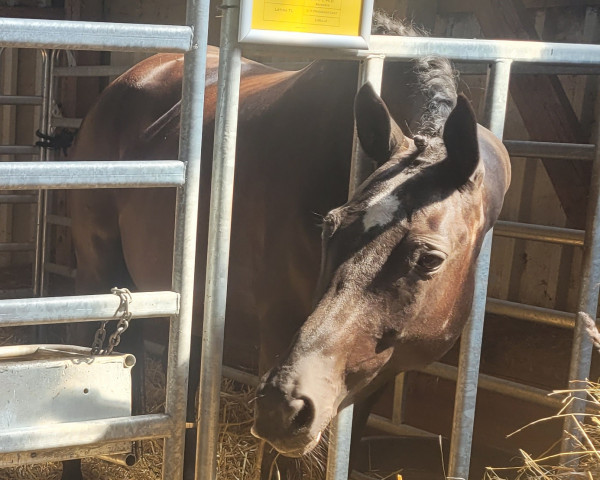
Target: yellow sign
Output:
[{"x": 333, "y": 17}]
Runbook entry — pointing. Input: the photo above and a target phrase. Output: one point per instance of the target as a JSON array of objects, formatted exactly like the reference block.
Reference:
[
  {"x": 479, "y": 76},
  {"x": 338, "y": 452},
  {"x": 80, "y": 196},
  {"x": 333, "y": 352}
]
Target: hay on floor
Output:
[{"x": 583, "y": 462}]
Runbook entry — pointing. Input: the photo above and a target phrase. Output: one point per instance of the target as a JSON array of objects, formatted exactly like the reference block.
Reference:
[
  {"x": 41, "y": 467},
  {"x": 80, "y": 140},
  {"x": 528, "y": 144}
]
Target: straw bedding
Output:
[{"x": 584, "y": 461}]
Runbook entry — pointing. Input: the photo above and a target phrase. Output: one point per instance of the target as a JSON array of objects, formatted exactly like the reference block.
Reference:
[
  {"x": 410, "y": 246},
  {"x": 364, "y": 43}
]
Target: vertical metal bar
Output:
[
  {"x": 399, "y": 398},
  {"x": 219, "y": 230},
  {"x": 42, "y": 125},
  {"x": 470, "y": 344},
  {"x": 581, "y": 353},
  {"x": 370, "y": 70},
  {"x": 39, "y": 275},
  {"x": 184, "y": 251}
]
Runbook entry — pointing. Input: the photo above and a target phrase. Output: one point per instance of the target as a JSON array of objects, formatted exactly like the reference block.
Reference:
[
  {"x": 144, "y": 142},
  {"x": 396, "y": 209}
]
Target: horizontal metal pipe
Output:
[
  {"x": 240, "y": 377},
  {"x": 499, "y": 385},
  {"x": 20, "y": 100},
  {"x": 405, "y": 48},
  {"x": 93, "y": 432},
  {"x": 61, "y": 270},
  {"x": 90, "y": 71},
  {"x": 58, "y": 220},
  {"x": 101, "y": 174},
  {"x": 467, "y": 68},
  {"x": 84, "y": 308},
  {"x": 569, "y": 151},
  {"x": 66, "y": 122},
  {"x": 58, "y": 454},
  {"x": 16, "y": 198},
  {"x": 123, "y": 459},
  {"x": 530, "y": 313},
  {"x": 75, "y": 35},
  {"x": 385, "y": 425},
  {"x": 540, "y": 233},
  {"x": 16, "y": 247},
  {"x": 19, "y": 150}
]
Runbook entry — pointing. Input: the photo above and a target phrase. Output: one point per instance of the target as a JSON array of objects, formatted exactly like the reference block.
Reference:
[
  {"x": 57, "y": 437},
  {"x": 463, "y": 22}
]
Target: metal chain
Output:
[{"x": 97, "y": 346}]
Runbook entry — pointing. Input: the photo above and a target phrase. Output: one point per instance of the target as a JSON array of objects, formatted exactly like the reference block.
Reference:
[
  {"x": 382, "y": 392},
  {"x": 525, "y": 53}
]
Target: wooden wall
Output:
[{"x": 543, "y": 192}]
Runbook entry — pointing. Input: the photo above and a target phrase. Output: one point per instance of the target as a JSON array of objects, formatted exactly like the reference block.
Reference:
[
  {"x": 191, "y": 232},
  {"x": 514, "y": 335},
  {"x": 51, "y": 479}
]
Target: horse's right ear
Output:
[{"x": 377, "y": 132}]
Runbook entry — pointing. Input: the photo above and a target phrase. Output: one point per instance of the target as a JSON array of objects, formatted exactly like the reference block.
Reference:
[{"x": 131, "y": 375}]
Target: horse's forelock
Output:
[
  {"x": 384, "y": 24},
  {"x": 436, "y": 77}
]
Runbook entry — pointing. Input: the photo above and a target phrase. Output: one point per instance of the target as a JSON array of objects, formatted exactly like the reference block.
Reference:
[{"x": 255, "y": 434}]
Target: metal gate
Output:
[
  {"x": 184, "y": 172},
  {"x": 85, "y": 438}
]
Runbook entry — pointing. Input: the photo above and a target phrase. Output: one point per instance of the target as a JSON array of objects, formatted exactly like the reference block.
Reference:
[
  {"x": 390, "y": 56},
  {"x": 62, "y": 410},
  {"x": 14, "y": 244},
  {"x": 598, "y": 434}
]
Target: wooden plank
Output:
[
  {"x": 32, "y": 12},
  {"x": 465, "y": 6},
  {"x": 543, "y": 105}
]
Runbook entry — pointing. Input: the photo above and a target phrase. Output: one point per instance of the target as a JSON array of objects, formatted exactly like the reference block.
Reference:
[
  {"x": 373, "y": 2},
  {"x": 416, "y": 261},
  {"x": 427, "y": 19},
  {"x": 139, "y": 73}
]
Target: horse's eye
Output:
[{"x": 430, "y": 262}]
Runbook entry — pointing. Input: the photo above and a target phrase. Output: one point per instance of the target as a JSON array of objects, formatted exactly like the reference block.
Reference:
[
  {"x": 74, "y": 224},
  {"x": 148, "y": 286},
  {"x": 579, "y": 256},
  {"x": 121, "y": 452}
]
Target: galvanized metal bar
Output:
[
  {"x": 16, "y": 198},
  {"x": 42, "y": 195},
  {"x": 385, "y": 425},
  {"x": 75, "y": 35},
  {"x": 58, "y": 454},
  {"x": 91, "y": 71},
  {"x": 399, "y": 398},
  {"x": 88, "y": 433},
  {"x": 581, "y": 354},
  {"x": 539, "y": 233},
  {"x": 84, "y": 308},
  {"x": 566, "y": 151},
  {"x": 530, "y": 313},
  {"x": 338, "y": 455},
  {"x": 406, "y": 48},
  {"x": 499, "y": 385},
  {"x": 468, "y": 68},
  {"x": 19, "y": 150},
  {"x": 470, "y": 345},
  {"x": 17, "y": 247},
  {"x": 184, "y": 250},
  {"x": 219, "y": 231},
  {"x": 20, "y": 100},
  {"x": 90, "y": 174}
]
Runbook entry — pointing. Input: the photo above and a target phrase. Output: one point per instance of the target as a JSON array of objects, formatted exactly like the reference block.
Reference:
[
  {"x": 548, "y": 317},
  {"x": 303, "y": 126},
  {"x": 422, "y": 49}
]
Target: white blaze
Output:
[{"x": 381, "y": 213}]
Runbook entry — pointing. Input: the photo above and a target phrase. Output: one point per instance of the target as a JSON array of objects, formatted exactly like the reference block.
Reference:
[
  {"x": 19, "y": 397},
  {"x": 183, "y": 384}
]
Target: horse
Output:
[{"x": 295, "y": 132}]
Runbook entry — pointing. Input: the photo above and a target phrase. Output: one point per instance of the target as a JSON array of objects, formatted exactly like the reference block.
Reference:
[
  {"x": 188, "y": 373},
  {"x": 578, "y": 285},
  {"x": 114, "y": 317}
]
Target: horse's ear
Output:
[
  {"x": 462, "y": 147},
  {"x": 377, "y": 132}
]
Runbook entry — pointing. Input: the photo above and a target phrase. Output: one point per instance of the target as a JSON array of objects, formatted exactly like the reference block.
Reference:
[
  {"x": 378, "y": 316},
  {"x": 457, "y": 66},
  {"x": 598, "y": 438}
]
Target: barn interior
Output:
[{"x": 533, "y": 286}]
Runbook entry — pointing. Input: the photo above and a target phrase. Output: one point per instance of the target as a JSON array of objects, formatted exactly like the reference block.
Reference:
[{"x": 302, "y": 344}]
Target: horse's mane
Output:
[{"x": 436, "y": 77}]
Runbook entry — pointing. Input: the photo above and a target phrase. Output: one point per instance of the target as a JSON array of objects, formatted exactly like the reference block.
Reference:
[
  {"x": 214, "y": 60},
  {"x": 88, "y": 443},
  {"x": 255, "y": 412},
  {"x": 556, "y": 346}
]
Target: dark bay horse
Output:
[{"x": 395, "y": 267}]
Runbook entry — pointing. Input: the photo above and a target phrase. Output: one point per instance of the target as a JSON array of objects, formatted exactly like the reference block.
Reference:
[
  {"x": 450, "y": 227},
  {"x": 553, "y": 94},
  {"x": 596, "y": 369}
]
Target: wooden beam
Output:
[
  {"x": 32, "y": 12},
  {"x": 466, "y": 6},
  {"x": 544, "y": 106}
]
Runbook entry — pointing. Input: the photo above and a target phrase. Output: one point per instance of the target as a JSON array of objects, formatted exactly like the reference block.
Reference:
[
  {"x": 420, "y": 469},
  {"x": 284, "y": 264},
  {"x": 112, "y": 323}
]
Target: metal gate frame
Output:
[
  {"x": 47, "y": 443},
  {"x": 184, "y": 174},
  {"x": 500, "y": 55}
]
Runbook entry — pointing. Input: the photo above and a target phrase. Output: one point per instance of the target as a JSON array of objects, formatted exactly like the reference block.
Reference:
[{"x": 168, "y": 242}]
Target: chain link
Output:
[{"x": 125, "y": 300}]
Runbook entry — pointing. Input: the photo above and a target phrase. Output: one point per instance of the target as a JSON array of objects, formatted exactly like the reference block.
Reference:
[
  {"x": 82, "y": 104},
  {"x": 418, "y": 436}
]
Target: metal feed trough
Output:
[
  {"x": 87, "y": 437},
  {"x": 44, "y": 385}
]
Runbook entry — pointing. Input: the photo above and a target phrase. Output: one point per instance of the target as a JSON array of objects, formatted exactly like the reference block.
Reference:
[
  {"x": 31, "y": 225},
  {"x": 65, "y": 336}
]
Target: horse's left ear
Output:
[
  {"x": 377, "y": 132},
  {"x": 462, "y": 147}
]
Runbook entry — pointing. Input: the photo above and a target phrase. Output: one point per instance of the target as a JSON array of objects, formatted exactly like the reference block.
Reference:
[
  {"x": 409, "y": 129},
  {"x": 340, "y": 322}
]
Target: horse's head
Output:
[{"x": 397, "y": 274}]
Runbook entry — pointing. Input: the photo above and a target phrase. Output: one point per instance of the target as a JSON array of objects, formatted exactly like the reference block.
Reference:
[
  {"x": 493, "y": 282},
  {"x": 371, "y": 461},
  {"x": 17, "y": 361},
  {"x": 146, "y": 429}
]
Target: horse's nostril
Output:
[{"x": 305, "y": 415}]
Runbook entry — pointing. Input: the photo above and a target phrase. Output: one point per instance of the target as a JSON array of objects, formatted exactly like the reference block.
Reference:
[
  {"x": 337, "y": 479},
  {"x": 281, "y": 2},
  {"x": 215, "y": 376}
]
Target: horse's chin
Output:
[{"x": 300, "y": 452}]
